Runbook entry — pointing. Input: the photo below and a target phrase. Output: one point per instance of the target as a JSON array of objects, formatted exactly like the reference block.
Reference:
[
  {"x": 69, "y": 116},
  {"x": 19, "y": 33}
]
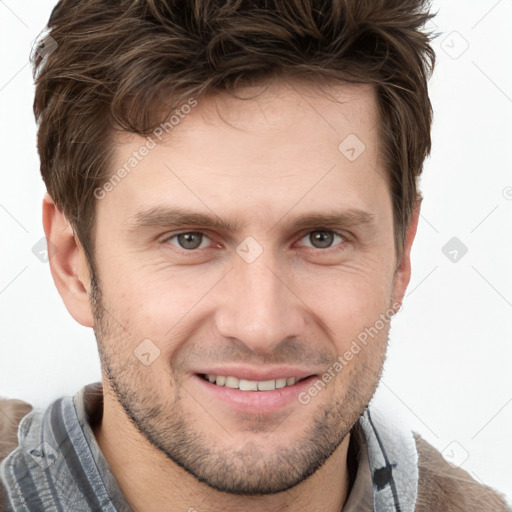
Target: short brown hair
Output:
[{"x": 115, "y": 63}]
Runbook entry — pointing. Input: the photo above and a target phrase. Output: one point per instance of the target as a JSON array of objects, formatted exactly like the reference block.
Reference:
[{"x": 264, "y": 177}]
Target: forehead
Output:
[
  {"x": 268, "y": 105},
  {"x": 267, "y": 149}
]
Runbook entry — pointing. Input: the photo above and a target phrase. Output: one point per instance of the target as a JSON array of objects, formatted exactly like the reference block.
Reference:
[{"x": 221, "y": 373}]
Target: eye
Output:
[
  {"x": 189, "y": 241},
  {"x": 322, "y": 239}
]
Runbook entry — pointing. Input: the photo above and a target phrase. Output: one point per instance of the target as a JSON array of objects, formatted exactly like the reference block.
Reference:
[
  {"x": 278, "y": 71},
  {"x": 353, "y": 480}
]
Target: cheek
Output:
[
  {"x": 347, "y": 299},
  {"x": 137, "y": 289},
  {"x": 360, "y": 361},
  {"x": 152, "y": 300},
  {"x": 158, "y": 313}
]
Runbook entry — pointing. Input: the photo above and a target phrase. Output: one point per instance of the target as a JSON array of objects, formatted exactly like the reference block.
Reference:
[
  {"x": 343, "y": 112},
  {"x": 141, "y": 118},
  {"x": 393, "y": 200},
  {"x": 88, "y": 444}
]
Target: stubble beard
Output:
[{"x": 255, "y": 468}]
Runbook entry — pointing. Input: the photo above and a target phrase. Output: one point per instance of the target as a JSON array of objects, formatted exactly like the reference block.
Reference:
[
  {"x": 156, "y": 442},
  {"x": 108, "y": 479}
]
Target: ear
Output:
[
  {"x": 67, "y": 263},
  {"x": 402, "y": 274}
]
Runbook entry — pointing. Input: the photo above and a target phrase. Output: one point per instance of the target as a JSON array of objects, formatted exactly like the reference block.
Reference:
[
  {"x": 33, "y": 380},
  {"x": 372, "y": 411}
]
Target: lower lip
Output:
[{"x": 256, "y": 402}]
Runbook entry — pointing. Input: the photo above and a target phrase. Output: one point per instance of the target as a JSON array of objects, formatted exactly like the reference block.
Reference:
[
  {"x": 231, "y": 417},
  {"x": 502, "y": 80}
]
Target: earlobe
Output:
[
  {"x": 403, "y": 271},
  {"x": 67, "y": 263}
]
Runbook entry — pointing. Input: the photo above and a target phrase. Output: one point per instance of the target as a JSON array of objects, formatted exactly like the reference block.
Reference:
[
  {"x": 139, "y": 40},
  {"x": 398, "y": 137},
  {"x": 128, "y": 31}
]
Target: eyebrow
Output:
[{"x": 160, "y": 216}]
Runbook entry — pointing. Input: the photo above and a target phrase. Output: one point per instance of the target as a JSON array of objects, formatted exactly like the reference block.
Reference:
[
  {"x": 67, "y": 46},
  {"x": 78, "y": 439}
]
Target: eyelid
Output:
[
  {"x": 342, "y": 235},
  {"x": 168, "y": 237}
]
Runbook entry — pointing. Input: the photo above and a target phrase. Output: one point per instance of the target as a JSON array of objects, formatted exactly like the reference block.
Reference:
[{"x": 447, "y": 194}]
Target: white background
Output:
[{"x": 449, "y": 369}]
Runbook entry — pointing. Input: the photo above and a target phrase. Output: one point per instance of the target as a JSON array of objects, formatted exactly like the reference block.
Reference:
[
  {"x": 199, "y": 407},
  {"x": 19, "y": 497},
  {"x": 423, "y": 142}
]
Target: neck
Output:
[{"x": 152, "y": 482}]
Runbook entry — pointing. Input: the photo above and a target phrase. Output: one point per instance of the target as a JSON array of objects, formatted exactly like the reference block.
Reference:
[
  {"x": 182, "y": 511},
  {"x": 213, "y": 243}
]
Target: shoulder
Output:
[
  {"x": 11, "y": 413},
  {"x": 445, "y": 487}
]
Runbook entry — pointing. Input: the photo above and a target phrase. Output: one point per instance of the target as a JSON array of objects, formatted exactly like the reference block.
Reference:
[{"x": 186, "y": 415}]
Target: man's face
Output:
[{"x": 263, "y": 296}]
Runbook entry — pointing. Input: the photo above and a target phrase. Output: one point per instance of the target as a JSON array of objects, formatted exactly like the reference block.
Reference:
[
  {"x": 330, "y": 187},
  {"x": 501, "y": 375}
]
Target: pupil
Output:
[{"x": 323, "y": 238}]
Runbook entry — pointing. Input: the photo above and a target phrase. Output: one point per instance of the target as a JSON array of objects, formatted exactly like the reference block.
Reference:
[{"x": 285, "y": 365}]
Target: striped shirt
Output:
[{"x": 58, "y": 465}]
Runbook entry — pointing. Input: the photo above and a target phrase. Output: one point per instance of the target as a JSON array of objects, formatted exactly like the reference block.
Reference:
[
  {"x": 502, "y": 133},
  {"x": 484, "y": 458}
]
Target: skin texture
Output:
[{"x": 260, "y": 162}]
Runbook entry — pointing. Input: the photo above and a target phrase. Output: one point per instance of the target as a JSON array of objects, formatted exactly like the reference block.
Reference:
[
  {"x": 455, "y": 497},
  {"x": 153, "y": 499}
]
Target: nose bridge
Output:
[{"x": 256, "y": 306}]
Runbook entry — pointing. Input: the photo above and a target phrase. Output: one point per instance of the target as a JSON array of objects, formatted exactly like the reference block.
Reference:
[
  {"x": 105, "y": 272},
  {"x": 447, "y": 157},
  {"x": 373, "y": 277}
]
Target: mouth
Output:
[
  {"x": 231, "y": 382},
  {"x": 253, "y": 397}
]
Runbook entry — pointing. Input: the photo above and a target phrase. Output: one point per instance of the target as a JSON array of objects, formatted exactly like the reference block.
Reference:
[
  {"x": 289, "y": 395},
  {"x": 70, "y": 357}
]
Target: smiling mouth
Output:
[{"x": 229, "y": 381}]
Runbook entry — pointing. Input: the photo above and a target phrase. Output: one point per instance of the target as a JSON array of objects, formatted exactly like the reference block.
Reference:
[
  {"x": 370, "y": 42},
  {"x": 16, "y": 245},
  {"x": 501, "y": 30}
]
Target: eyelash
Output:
[{"x": 344, "y": 241}]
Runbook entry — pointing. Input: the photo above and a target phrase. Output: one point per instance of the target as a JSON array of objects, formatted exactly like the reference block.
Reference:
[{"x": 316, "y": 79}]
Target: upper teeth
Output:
[{"x": 251, "y": 385}]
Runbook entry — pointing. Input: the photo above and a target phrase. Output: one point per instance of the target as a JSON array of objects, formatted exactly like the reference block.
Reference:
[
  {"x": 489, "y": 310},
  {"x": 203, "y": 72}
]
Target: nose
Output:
[{"x": 258, "y": 306}]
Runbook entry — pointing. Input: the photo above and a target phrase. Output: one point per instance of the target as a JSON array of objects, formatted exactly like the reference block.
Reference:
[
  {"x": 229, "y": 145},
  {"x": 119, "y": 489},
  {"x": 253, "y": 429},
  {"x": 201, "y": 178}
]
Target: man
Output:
[{"x": 231, "y": 206}]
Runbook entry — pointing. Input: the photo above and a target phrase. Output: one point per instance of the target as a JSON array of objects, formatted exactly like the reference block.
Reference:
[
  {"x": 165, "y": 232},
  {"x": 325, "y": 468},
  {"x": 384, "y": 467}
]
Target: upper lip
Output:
[{"x": 259, "y": 374}]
